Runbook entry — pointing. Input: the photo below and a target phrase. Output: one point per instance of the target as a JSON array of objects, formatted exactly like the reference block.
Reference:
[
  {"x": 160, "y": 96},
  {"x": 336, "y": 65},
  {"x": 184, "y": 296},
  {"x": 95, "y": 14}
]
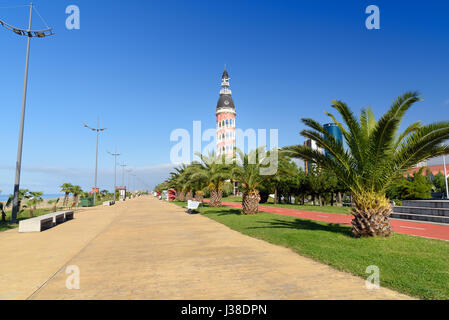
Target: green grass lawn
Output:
[
  {"x": 415, "y": 266},
  {"x": 22, "y": 216},
  {"x": 326, "y": 209}
]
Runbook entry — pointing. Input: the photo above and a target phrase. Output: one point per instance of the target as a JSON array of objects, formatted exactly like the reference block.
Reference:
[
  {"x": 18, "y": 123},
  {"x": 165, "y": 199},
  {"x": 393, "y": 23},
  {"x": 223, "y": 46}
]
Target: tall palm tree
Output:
[
  {"x": 23, "y": 194},
  {"x": 76, "y": 191},
  {"x": 376, "y": 154},
  {"x": 214, "y": 170},
  {"x": 247, "y": 173},
  {"x": 67, "y": 189}
]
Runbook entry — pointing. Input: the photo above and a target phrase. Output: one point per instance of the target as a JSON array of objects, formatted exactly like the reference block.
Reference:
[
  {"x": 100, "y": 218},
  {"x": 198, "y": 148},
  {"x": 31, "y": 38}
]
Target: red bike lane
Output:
[{"x": 427, "y": 230}]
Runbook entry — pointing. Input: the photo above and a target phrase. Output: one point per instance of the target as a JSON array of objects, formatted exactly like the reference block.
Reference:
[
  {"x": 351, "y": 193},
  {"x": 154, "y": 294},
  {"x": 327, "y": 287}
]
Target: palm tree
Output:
[
  {"x": 198, "y": 182},
  {"x": 36, "y": 198},
  {"x": 175, "y": 182},
  {"x": 76, "y": 191},
  {"x": 2, "y": 210},
  {"x": 23, "y": 194},
  {"x": 377, "y": 153},
  {"x": 215, "y": 172},
  {"x": 54, "y": 203},
  {"x": 249, "y": 178},
  {"x": 67, "y": 189}
]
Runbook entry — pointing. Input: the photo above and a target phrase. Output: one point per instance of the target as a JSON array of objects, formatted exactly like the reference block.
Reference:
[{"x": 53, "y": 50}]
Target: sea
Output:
[{"x": 4, "y": 197}]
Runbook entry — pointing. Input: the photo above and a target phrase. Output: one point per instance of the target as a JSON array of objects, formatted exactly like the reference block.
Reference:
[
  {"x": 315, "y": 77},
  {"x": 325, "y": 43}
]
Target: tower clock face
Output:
[{"x": 226, "y": 102}]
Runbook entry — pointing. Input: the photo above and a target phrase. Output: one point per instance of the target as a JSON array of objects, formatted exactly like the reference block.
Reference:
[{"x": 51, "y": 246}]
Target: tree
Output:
[
  {"x": 439, "y": 183},
  {"x": 23, "y": 194},
  {"x": 377, "y": 153},
  {"x": 418, "y": 186},
  {"x": 247, "y": 173},
  {"x": 54, "y": 203},
  {"x": 215, "y": 172},
  {"x": 286, "y": 169},
  {"x": 77, "y": 191},
  {"x": 67, "y": 189},
  {"x": 36, "y": 198},
  {"x": 2, "y": 210}
]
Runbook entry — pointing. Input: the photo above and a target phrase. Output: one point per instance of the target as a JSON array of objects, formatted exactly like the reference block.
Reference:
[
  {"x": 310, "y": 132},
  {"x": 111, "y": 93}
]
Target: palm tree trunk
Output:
[
  {"x": 199, "y": 196},
  {"x": 66, "y": 198},
  {"x": 181, "y": 196},
  {"x": 189, "y": 196},
  {"x": 372, "y": 222},
  {"x": 371, "y": 215},
  {"x": 215, "y": 198},
  {"x": 250, "y": 202},
  {"x": 276, "y": 195}
]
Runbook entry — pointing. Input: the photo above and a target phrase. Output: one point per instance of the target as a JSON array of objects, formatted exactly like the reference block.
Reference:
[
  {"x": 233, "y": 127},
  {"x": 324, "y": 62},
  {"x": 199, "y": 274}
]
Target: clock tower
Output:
[{"x": 225, "y": 113}]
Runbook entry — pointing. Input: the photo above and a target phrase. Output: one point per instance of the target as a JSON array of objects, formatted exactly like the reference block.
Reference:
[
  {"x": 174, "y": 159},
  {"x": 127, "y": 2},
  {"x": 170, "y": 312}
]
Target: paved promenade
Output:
[{"x": 149, "y": 249}]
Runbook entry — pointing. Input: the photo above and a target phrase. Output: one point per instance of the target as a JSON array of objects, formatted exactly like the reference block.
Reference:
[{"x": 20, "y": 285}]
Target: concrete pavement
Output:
[{"x": 150, "y": 249}]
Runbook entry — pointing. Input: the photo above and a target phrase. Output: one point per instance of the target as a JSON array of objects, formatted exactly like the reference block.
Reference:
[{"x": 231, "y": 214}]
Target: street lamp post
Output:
[
  {"x": 123, "y": 173},
  {"x": 115, "y": 155},
  {"x": 30, "y": 34},
  {"x": 445, "y": 176},
  {"x": 129, "y": 174},
  {"x": 97, "y": 130}
]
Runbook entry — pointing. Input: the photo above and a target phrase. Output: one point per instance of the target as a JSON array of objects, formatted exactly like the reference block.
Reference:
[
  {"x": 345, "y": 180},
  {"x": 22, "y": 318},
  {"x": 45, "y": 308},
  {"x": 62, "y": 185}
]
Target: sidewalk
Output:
[
  {"x": 151, "y": 249},
  {"x": 427, "y": 230}
]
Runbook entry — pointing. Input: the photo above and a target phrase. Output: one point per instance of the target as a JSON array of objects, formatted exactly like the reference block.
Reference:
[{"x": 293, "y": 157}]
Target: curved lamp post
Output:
[
  {"x": 97, "y": 130},
  {"x": 115, "y": 155},
  {"x": 30, "y": 34}
]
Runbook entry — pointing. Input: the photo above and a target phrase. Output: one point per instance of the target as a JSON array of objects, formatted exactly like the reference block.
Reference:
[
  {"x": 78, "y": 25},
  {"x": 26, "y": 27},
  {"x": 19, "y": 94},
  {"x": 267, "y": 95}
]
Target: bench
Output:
[
  {"x": 44, "y": 222},
  {"x": 192, "y": 206},
  {"x": 109, "y": 203}
]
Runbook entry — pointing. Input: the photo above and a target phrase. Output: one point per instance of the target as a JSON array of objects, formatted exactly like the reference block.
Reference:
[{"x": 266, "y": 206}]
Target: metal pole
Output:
[
  {"x": 96, "y": 162},
  {"x": 115, "y": 173},
  {"x": 15, "y": 208},
  {"x": 445, "y": 177}
]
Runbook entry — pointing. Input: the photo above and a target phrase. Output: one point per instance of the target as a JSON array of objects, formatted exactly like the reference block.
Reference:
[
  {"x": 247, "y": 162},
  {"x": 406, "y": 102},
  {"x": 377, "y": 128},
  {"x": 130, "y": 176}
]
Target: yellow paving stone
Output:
[{"x": 149, "y": 249}]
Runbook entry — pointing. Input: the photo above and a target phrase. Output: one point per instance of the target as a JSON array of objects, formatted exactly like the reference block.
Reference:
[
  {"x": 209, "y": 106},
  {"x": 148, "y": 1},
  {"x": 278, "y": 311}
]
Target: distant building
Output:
[
  {"x": 225, "y": 113},
  {"x": 431, "y": 171},
  {"x": 421, "y": 164},
  {"x": 334, "y": 131},
  {"x": 308, "y": 165}
]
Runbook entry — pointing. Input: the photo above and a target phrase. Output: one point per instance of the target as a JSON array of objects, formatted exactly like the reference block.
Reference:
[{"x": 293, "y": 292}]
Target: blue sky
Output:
[{"x": 149, "y": 67}]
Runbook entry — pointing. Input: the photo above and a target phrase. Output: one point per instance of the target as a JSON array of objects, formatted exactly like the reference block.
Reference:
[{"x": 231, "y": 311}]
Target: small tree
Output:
[
  {"x": 377, "y": 153},
  {"x": 248, "y": 174},
  {"x": 36, "y": 198},
  {"x": 215, "y": 172},
  {"x": 76, "y": 191},
  {"x": 54, "y": 203},
  {"x": 67, "y": 189}
]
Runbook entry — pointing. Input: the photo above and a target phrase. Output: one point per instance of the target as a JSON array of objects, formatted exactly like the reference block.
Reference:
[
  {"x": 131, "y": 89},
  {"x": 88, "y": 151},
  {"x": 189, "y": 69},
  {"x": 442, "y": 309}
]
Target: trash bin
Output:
[{"x": 87, "y": 202}]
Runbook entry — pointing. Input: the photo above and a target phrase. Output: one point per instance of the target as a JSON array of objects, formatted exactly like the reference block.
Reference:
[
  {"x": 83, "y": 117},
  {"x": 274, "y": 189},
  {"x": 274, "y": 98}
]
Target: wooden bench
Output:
[
  {"x": 44, "y": 222},
  {"x": 192, "y": 206}
]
